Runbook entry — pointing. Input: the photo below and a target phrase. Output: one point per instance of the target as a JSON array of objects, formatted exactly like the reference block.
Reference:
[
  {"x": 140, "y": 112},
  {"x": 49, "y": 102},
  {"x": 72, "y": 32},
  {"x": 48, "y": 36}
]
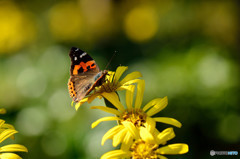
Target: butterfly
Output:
[{"x": 85, "y": 74}]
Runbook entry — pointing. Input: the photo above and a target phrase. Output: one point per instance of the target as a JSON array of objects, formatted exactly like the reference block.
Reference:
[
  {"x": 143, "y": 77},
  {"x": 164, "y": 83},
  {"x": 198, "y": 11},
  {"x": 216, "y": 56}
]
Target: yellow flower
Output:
[
  {"x": 148, "y": 146},
  {"x": 112, "y": 83},
  {"x": 131, "y": 117},
  {"x": 8, "y": 131}
]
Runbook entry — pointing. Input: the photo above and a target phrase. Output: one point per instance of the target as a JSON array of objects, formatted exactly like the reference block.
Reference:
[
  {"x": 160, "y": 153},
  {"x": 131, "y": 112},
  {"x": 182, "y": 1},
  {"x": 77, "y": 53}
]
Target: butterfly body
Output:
[{"x": 85, "y": 74}]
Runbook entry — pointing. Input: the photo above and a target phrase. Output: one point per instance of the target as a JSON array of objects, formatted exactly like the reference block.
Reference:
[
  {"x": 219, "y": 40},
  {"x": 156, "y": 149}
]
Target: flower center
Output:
[
  {"x": 141, "y": 149},
  {"x": 136, "y": 116}
]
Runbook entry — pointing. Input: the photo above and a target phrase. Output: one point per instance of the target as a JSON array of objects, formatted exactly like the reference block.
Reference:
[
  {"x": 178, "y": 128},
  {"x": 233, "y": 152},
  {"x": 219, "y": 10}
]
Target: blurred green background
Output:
[{"x": 187, "y": 50}]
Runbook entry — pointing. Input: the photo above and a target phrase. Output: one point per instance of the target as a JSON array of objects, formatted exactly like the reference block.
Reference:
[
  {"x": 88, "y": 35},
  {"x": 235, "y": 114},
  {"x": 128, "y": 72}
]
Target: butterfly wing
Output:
[
  {"x": 83, "y": 70},
  {"x": 79, "y": 86},
  {"x": 82, "y": 63}
]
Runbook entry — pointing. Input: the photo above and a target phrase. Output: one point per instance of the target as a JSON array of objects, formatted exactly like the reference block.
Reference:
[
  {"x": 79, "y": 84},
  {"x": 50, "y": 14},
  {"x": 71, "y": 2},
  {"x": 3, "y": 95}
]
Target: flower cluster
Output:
[
  {"x": 8, "y": 131},
  {"x": 136, "y": 129}
]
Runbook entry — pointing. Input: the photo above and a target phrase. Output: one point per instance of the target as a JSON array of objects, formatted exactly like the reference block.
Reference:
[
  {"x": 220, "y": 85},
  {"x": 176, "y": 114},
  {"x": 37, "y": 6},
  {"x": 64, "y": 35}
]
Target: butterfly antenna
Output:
[{"x": 115, "y": 52}]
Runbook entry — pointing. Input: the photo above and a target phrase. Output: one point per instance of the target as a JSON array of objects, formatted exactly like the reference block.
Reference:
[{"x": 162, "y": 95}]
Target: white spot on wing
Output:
[
  {"x": 75, "y": 58},
  {"x": 83, "y": 54}
]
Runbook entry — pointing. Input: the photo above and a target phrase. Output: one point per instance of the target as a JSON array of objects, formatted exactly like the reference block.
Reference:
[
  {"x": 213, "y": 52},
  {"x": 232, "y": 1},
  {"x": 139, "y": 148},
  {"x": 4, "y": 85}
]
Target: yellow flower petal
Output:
[
  {"x": 1, "y": 122},
  {"x": 157, "y": 105},
  {"x": 173, "y": 149},
  {"x": 127, "y": 87},
  {"x": 13, "y": 148},
  {"x": 113, "y": 98},
  {"x": 155, "y": 133},
  {"x": 127, "y": 142},
  {"x": 139, "y": 96},
  {"x": 9, "y": 156},
  {"x": 167, "y": 120},
  {"x": 147, "y": 136},
  {"x": 111, "y": 133},
  {"x": 109, "y": 118},
  {"x": 7, "y": 133},
  {"x": 165, "y": 136},
  {"x": 8, "y": 126},
  {"x": 80, "y": 103},
  {"x": 92, "y": 97},
  {"x": 107, "y": 109},
  {"x": 150, "y": 124},
  {"x": 2, "y": 111},
  {"x": 120, "y": 70},
  {"x": 129, "y": 97},
  {"x": 151, "y": 103},
  {"x": 116, "y": 154},
  {"x": 132, "y": 129},
  {"x": 118, "y": 138},
  {"x": 130, "y": 77},
  {"x": 110, "y": 76},
  {"x": 130, "y": 82}
]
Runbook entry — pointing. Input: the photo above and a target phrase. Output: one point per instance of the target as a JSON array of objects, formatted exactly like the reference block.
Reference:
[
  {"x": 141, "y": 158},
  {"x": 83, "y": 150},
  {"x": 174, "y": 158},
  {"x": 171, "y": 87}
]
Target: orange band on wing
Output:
[
  {"x": 90, "y": 64},
  {"x": 76, "y": 68}
]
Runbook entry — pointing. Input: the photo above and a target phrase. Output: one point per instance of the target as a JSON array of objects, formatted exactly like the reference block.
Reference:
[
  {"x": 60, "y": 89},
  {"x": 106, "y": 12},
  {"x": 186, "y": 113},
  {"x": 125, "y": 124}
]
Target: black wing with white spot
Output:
[{"x": 79, "y": 58}]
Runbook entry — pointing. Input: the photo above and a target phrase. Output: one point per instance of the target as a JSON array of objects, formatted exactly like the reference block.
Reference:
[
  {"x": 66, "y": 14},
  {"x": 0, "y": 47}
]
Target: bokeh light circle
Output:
[
  {"x": 141, "y": 24},
  {"x": 65, "y": 21},
  {"x": 213, "y": 70},
  {"x": 59, "y": 106},
  {"x": 229, "y": 128},
  {"x": 31, "y": 82},
  {"x": 54, "y": 143},
  {"x": 54, "y": 62},
  {"x": 32, "y": 121},
  {"x": 17, "y": 27}
]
